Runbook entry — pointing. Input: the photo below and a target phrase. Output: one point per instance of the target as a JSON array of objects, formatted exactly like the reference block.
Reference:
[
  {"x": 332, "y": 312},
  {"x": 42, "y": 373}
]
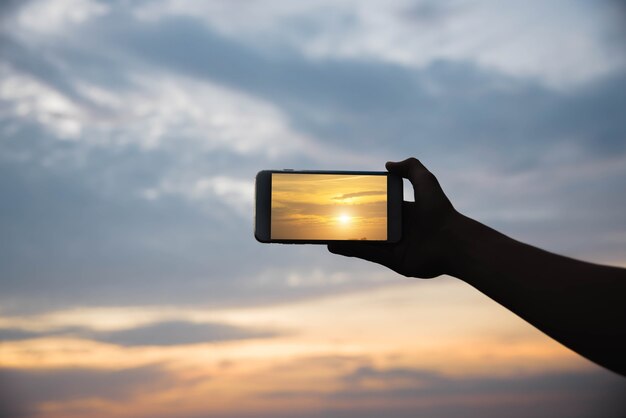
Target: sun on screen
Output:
[
  {"x": 329, "y": 207},
  {"x": 344, "y": 219}
]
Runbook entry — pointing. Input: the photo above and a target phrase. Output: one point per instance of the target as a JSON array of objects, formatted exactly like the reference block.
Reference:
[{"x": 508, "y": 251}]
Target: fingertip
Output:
[
  {"x": 401, "y": 168},
  {"x": 397, "y": 167},
  {"x": 390, "y": 165}
]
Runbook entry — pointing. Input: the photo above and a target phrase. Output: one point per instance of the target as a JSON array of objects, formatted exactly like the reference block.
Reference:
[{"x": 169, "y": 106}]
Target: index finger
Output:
[{"x": 411, "y": 169}]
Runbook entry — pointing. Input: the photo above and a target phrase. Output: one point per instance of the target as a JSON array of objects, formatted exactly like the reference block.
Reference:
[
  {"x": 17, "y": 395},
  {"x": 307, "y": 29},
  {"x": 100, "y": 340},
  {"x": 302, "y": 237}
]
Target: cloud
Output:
[
  {"x": 23, "y": 390},
  {"x": 365, "y": 375},
  {"x": 208, "y": 116},
  {"x": 445, "y": 106},
  {"x": 52, "y": 17},
  {"x": 167, "y": 333},
  {"x": 365, "y": 392},
  {"x": 237, "y": 193},
  {"x": 515, "y": 41},
  {"x": 30, "y": 97},
  {"x": 368, "y": 193},
  {"x": 370, "y": 392},
  {"x": 177, "y": 333}
]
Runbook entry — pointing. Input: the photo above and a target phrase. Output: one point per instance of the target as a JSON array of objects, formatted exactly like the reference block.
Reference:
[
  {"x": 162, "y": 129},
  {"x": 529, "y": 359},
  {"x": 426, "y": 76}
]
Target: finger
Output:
[
  {"x": 377, "y": 253},
  {"x": 411, "y": 169},
  {"x": 426, "y": 188}
]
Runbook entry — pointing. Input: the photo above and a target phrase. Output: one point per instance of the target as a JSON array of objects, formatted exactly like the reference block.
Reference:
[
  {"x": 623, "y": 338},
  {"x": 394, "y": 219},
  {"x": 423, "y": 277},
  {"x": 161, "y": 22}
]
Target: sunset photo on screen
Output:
[{"x": 329, "y": 207}]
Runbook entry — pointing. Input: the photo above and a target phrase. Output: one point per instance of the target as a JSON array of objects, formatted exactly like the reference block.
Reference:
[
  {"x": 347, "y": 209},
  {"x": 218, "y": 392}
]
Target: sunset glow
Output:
[
  {"x": 319, "y": 352},
  {"x": 344, "y": 219},
  {"x": 329, "y": 207}
]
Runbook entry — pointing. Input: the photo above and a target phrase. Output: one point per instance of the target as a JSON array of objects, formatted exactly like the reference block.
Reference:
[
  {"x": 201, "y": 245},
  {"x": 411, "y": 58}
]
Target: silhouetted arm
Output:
[{"x": 582, "y": 305}]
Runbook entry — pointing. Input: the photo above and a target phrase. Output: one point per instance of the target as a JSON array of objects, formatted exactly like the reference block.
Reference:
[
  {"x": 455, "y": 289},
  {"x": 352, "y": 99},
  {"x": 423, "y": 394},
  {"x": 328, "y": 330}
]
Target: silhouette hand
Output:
[
  {"x": 425, "y": 248},
  {"x": 579, "y": 304}
]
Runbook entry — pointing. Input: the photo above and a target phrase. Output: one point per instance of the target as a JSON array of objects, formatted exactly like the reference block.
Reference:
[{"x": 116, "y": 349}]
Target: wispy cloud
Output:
[
  {"x": 26, "y": 390},
  {"x": 419, "y": 33},
  {"x": 405, "y": 392},
  {"x": 359, "y": 194},
  {"x": 154, "y": 334}
]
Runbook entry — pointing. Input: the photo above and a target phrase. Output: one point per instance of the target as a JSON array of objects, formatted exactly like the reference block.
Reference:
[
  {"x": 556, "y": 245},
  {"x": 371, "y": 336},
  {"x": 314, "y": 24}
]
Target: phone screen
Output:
[{"x": 329, "y": 207}]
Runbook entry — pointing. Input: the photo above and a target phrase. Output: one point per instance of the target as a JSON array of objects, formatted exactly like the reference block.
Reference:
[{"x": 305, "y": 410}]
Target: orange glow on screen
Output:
[{"x": 329, "y": 207}]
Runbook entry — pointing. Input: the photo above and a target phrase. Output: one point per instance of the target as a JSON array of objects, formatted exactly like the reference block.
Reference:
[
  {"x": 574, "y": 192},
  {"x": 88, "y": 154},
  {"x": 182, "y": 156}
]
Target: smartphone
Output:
[{"x": 319, "y": 207}]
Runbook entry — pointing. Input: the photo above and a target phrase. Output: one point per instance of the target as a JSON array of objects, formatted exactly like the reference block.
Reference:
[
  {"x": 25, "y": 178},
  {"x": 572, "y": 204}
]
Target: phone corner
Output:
[{"x": 262, "y": 240}]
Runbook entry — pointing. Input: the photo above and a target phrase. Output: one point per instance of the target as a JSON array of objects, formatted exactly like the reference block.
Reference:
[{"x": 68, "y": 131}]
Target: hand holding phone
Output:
[
  {"x": 429, "y": 243},
  {"x": 579, "y": 304},
  {"x": 320, "y": 207}
]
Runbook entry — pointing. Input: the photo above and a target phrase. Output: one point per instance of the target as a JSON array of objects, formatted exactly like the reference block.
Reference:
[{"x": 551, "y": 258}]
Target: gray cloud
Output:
[
  {"x": 179, "y": 332},
  {"x": 157, "y": 334},
  {"x": 424, "y": 392},
  {"x": 417, "y": 382},
  {"x": 22, "y": 390},
  {"x": 398, "y": 392},
  {"x": 443, "y": 107}
]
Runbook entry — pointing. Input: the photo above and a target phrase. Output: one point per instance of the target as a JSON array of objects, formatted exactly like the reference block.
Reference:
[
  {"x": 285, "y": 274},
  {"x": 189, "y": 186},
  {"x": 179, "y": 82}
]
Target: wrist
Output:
[{"x": 464, "y": 236}]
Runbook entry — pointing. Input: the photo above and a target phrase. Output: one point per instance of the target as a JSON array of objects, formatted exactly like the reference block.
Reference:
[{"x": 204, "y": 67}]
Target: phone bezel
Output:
[{"x": 263, "y": 203}]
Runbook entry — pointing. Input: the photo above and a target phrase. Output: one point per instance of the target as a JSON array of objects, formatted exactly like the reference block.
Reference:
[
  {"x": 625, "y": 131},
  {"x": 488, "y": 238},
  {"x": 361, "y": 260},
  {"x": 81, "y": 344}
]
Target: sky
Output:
[
  {"x": 328, "y": 207},
  {"x": 131, "y": 284}
]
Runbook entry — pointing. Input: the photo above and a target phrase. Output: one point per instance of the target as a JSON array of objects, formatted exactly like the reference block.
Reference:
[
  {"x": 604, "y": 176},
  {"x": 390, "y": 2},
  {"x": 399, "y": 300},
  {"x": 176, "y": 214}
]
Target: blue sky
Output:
[{"x": 131, "y": 133}]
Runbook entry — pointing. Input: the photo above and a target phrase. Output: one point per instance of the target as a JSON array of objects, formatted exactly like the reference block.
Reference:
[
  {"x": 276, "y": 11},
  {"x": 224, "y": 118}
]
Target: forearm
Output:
[{"x": 582, "y": 305}]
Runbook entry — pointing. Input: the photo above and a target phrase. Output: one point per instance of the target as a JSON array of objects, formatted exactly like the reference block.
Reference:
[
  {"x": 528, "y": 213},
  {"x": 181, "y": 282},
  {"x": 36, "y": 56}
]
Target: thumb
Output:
[{"x": 409, "y": 168}]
